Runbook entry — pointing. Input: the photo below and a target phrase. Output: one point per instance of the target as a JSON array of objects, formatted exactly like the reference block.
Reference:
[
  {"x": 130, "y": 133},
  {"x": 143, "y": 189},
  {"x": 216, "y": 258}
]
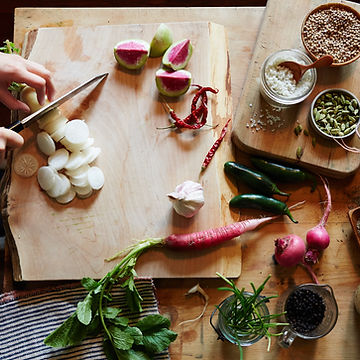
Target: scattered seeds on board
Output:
[
  {"x": 299, "y": 152},
  {"x": 26, "y": 165},
  {"x": 266, "y": 119},
  {"x": 298, "y": 130}
]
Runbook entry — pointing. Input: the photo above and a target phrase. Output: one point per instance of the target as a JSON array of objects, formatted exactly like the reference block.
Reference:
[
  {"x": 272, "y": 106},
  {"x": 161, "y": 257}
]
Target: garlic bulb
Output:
[{"x": 187, "y": 198}]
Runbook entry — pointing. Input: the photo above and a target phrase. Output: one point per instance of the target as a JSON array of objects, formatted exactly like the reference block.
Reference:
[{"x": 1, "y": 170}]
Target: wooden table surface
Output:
[{"x": 338, "y": 267}]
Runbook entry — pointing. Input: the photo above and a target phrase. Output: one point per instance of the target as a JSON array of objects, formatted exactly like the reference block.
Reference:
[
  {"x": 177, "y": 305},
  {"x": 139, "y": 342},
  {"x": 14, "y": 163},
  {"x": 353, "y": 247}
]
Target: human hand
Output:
[
  {"x": 9, "y": 139},
  {"x": 15, "y": 68}
]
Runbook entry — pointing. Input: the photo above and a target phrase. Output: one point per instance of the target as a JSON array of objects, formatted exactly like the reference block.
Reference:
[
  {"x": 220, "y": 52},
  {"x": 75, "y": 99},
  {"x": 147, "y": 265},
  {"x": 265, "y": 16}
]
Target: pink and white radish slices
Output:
[
  {"x": 291, "y": 249},
  {"x": 70, "y": 152}
]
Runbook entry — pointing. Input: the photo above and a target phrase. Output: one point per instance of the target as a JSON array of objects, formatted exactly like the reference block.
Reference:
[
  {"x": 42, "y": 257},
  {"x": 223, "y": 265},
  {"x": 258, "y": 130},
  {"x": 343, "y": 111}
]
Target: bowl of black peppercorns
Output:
[{"x": 332, "y": 29}]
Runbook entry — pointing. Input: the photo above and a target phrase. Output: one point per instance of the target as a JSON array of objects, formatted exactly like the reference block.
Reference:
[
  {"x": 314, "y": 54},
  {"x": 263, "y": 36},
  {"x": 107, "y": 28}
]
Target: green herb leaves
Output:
[
  {"x": 10, "y": 48},
  {"x": 93, "y": 316}
]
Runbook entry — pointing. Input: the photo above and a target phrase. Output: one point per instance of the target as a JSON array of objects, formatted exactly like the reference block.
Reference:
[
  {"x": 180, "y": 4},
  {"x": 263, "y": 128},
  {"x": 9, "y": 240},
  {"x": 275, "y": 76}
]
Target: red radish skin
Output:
[
  {"x": 289, "y": 250},
  {"x": 213, "y": 237},
  {"x": 197, "y": 240},
  {"x": 317, "y": 237}
]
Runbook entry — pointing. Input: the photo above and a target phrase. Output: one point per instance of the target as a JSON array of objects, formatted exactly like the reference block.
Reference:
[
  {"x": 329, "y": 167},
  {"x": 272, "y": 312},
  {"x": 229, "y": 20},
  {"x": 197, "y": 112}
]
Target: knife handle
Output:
[{"x": 16, "y": 126}]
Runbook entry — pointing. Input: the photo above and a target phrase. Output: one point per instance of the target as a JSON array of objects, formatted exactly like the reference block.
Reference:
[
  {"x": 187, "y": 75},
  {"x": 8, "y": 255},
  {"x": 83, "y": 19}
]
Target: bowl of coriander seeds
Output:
[
  {"x": 334, "y": 113},
  {"x": 332, "y": 29}
]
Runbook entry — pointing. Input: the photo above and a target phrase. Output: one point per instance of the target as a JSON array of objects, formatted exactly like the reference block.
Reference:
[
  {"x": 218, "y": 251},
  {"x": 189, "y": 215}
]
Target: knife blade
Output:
[{"x": 25, "y": 122}]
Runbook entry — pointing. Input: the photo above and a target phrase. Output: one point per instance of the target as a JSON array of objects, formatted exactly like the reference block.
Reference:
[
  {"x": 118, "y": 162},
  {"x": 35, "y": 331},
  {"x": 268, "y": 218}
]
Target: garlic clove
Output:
[{"x": 188, "y": 198}]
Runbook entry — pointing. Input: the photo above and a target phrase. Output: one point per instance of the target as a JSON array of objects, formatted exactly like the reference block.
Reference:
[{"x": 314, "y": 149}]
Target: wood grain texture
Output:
[
  {"x": 340, "y": 265},
  {"x": 326, "y": 157},
  {"x": 141, "y": 163}
]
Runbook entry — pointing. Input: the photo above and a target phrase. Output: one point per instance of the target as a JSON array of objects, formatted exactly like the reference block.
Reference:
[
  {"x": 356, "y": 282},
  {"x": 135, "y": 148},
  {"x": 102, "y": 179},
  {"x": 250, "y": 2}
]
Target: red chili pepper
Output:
[
  {"x": 198, "y": 115},
  {"x": 216, "y": 145}
]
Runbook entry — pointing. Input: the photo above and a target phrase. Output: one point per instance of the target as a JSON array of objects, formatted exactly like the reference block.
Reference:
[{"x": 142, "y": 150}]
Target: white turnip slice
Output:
[
  {"x": 46, "y": 177},
  {"x": 26, "y": 165},
  {"x": 67, "y": 197},
  {"x": 96, "y": 178},
  {"x": 78, "y": 171},
  {"x": 62, "y": 186},
  {"x": 91, "y": 153},
  {"x": 56, "y": 124},
  {"x": 45, "y": 143},
  {"x": 76, "y": 132},
  {"x": 76, "y": 159},
  {"x": 58, "y": 134},
  {"x": 59, "y": 159}
]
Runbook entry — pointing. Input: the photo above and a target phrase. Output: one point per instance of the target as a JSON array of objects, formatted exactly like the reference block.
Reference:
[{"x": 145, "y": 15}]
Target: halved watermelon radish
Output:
[
  {"x": 172, "y": 83},
  {"x": 132, "y": 54}
]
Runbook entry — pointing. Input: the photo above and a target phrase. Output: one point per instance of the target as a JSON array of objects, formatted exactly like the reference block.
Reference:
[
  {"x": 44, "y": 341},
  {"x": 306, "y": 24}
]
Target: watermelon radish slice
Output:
[
  {"x": 178, "y": 55},
  {"x": 173, "y": 83},
  {"x": 132, "y": 54}
]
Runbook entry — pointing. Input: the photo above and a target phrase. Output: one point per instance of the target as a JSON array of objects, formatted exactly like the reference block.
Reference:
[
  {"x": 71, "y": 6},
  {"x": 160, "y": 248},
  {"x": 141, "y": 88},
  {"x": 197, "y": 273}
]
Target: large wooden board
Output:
[
  {"x": 281, "y": 30},
  {"x": 141, "y": 164}
]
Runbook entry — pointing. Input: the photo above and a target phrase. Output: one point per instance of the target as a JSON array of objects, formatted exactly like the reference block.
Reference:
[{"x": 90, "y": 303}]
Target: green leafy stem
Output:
[
  {"x": 94, "y": 316},
  {"x": 10, "y": 48}
]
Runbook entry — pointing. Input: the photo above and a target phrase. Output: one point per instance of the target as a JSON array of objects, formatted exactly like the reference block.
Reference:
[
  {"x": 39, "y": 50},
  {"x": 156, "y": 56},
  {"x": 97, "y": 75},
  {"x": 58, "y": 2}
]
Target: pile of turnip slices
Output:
[{"x": 69, "y": 171}]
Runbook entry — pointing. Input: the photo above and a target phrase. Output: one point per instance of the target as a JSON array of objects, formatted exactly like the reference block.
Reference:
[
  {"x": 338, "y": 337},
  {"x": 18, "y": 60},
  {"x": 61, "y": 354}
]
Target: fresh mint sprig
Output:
[{"x": 94, "y": 316}]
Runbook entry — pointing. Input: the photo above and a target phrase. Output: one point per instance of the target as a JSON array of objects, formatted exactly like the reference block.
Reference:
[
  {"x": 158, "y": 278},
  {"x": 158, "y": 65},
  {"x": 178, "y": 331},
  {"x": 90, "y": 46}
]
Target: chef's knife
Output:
[{"x": 25, "y": 122}]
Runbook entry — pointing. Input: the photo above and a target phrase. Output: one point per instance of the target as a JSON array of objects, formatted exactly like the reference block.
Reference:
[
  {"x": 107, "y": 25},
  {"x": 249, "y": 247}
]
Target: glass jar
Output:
[
  {"x": 277, "y": 85},
  {"x": 225, "y": 332}
]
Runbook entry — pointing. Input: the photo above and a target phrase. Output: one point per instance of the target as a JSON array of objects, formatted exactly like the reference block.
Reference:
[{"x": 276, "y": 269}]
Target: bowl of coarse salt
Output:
[
  {"x": 277, "y": 84},
  {"x": 332, "y": 29}
]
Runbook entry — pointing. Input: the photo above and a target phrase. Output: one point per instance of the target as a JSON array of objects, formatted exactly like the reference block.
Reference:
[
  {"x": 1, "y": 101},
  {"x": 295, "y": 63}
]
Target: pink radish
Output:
[
  {"x": 198, "y": 240},
  {"x": 289, "y": 250},
  {"x": 317, "y": 237}
]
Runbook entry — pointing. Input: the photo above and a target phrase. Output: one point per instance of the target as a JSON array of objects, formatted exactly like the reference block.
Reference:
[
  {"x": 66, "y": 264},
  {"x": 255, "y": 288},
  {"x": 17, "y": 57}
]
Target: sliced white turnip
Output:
[
  {"x": 96, "y": 178},
  {"x": 45, "y": 143},
  {"x": 26, "y": 165},
  {"x": 76, "y": 159},
  {"x": 55, "y": 124},
  {"x": 91, "y": 153},
  {"x": 59, "y": 159},
  {"x": 78, "y": 171},
  {"x": 72, "y": 147},
  {"x": 46, "y": 177},
  {"x": 83, "y": 191},
  {"x": 67, "y": 197},
  {"x": 80, "y": 180},
  {"x": 62, "y": 186},
  {"x": 58, "y": 134},
  {"x": 89, "y": 142},
  {"x": 76, "y": 132}
]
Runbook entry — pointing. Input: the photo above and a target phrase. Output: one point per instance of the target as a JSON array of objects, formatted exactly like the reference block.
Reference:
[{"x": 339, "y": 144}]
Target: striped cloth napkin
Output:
[{"x": 26, "y": 320}]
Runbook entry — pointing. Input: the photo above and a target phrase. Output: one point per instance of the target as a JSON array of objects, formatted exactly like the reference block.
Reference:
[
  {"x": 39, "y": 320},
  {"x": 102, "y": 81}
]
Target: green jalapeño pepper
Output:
[
  {"x": 261, "y": 202},
  {"x": 283, "y": 173},
  {"x": 254, "y": 179}
]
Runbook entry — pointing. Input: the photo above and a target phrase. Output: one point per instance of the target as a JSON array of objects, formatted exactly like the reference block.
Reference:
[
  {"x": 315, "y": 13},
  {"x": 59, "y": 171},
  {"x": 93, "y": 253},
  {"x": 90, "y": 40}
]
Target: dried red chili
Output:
[
  {"x": 198, "y": 115},
  {"x": 216, "y": 145}
]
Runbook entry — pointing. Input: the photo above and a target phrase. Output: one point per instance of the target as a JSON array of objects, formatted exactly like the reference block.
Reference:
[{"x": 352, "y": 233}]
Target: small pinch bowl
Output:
[
  {"x": 315, "y": 125},
  {"x": 354, "y": 218},
  {"x": 324, "y": 7}
]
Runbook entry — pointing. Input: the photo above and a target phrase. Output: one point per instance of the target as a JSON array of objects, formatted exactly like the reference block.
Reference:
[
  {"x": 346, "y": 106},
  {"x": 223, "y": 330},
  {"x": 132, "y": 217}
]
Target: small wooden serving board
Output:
[
  {"x": 141, "y": 163},
  {"x": 281, "y": 29}
]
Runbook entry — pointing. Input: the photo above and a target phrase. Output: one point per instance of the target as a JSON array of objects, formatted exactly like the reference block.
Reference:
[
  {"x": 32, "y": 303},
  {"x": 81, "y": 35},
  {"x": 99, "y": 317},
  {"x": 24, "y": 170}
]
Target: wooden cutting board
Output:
[
  {"x": 281, "y": 30},
  {"x": 141, "y": 163}
]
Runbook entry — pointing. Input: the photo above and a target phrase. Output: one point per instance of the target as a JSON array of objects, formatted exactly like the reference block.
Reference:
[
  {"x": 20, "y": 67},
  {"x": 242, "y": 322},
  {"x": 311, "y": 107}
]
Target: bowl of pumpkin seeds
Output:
[{"x": 335, "y": 113}]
